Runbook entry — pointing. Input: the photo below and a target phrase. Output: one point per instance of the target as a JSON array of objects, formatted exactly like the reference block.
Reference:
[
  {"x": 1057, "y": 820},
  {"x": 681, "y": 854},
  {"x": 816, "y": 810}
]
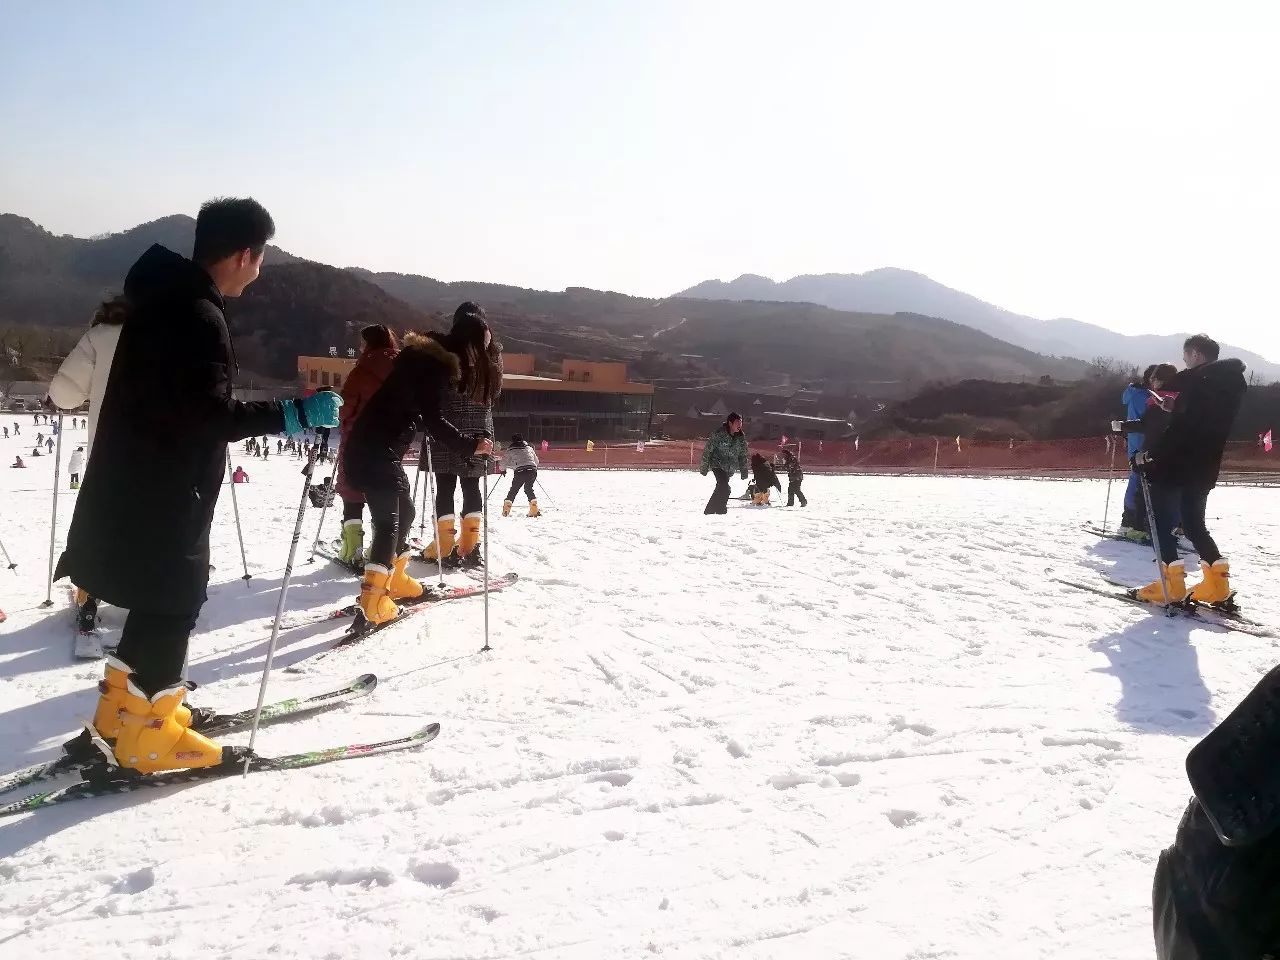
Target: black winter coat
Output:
[
  {"x": 408, "y": 401},
  {"x": 1189, "y": 452},
  {"x": 1213, "y": 902},
  {"x": 764, "y": 476},
  {"x": 139, "y": 535}
]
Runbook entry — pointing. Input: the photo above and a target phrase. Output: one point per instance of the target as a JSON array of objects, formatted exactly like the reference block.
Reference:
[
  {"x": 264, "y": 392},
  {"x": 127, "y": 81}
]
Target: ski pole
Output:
[
  {"x": 8, "y": 559},
  {"x": 485, "y": 558},
  {"x": 53, "y": 526},
  {"x": 235, "y": 506},
  {"x": 1106, "y": 511},
  {"x": 284, "y": 589},
  {"x": 544, "y": 493},
  {"x": 416, "y": 478},
  {"x": 1155, "y": 541},
  {"x": 435, "y": 520},
  {"x": 329, "y": 495}
]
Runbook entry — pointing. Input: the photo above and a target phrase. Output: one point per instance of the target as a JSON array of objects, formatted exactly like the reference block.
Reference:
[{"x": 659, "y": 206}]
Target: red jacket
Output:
[{"x": 373, "y": 367}]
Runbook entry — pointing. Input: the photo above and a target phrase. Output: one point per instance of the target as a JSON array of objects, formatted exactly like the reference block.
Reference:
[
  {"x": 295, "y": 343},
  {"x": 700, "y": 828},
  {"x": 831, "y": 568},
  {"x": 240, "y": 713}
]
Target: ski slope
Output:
[{"x": 873, "y": 728}]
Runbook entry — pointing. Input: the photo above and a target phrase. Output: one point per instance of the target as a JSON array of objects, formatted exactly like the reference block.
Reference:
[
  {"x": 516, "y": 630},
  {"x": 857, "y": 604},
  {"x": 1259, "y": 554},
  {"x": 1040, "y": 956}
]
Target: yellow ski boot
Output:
[
  {"x": 506, "y": 508},
  {"x": 1175, "y": 576},
  {"x": 1216, "y": 585},
  {"x": 403, "y": 586},
  {"x": 447, "y": 534},
  {"x": 533, "y": 509},
  {"x": 469, "y": 542},
  {"x": 151, "y": 738},
  {"x": 375, "y": 603}
]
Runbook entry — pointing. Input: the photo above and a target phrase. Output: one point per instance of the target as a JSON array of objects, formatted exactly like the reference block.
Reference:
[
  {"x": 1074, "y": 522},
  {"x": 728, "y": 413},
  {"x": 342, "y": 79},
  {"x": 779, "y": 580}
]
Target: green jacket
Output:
[{"x": 725, "y": 451}]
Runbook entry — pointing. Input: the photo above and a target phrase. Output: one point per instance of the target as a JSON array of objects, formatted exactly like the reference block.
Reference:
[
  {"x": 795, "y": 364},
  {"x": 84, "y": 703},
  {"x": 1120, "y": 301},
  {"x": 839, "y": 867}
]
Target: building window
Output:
[
  {"x": 324, "y": 379},
  {"x": 337, "y": 379},
  {"x": 313, "y": 374}
]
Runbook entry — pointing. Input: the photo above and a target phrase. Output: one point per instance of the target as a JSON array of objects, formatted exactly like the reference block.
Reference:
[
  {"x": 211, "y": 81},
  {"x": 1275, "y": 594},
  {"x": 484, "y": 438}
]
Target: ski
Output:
[
  {"x": 1233, "y": 771},
  {"x": 361, "y": 630},
  {"x": 1228, "y": 609},
  {"x": 1204, "y": 614},
  {"x": 1184, "y": 548},
  {"x": 88, "y": 638},
  {"x": 214, "y": 726},
  {"x": 113, "y": 780},
  {"x": 331, "y": 549},
  {"x": 432, "y": 593}
]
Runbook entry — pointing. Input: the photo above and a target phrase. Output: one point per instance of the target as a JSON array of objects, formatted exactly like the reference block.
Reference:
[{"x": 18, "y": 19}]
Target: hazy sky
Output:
[{"x": 1115, "y": 162}]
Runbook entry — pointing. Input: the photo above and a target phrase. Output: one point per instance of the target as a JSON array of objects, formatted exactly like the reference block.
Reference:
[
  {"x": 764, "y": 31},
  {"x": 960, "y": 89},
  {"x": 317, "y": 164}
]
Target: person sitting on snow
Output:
[
  {"x": 240, "y": 476},
  {"x": 765, "y": 479},
  {"x": 17, "y": 464}
]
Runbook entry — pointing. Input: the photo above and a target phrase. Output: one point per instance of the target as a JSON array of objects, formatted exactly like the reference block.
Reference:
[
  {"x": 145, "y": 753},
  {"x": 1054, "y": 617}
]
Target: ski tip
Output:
[
  {"x": 366, "y": 681},
  {"x": 428, "y": 733}
]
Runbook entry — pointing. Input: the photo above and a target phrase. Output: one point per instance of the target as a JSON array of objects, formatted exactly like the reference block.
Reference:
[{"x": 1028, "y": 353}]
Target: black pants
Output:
[
  {"x": 75, "y": 478},
  {"x": 719, "y": 502},
  {"x": 1166, "y": 503},
  {"x": 472, "y": 501},
  {"x": 352, "y": 510},
  {"x": 391, "y": 510},
  {"x": 154, "y": 645},
  {"x": 794, "y": 491},
  {"x": 524, "y": 477}
]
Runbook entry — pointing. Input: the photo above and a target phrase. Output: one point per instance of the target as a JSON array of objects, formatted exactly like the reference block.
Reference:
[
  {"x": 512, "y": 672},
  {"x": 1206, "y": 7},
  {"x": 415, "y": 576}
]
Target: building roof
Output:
[{"x": 804, "y": 418}]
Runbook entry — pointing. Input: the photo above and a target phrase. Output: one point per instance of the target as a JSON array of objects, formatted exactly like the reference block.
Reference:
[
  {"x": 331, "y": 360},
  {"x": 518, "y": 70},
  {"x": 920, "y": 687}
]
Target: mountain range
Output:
[
  {"x": 890, "y": 290},
  {"x": 50, "y": 284}
]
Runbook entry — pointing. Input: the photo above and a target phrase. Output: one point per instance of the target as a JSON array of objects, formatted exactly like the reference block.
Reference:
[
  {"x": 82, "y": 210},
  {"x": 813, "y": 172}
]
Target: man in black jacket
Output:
[
  {"x": 1182, "y": 466},
  {"x": 139, "y": 536}
]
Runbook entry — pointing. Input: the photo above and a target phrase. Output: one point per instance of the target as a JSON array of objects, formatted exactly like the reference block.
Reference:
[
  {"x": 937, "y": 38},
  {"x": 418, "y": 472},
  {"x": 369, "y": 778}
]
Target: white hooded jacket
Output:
[{"x": 83, "y": 375}]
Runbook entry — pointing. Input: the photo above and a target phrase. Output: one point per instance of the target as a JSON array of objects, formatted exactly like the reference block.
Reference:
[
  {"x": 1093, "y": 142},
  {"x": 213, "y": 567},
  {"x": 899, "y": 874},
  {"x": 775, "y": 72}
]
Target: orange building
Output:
[{"x": 589, "y": 400}]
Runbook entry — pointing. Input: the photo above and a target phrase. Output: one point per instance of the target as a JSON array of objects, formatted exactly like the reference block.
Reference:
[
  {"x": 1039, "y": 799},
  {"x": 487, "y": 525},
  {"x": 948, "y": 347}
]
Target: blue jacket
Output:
[{"x": 1135, "y": 405}]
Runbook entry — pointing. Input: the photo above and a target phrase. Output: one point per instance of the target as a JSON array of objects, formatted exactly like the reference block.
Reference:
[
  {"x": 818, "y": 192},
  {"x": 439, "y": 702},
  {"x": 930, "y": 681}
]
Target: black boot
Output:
[{"x": 87, "y": 618}]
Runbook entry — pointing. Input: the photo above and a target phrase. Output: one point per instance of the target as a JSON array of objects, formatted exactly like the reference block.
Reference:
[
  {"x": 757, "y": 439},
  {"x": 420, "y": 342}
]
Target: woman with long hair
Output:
[
  {"x": 371, "y": 370},
  {"x": 428, "y": 370},
  {"x": 469, "y": 405}
]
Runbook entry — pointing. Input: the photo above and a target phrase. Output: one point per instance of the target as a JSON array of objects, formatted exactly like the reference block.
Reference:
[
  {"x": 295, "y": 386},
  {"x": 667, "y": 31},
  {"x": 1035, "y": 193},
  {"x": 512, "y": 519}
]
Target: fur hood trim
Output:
[{"x": 429, "y": 346}]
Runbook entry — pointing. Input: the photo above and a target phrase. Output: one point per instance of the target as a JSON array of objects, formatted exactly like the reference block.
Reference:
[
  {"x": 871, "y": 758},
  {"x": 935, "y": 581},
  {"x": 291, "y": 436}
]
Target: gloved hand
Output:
[
  {"x": 1141, "y": 461},
  {"x": 318, "y": 410}
]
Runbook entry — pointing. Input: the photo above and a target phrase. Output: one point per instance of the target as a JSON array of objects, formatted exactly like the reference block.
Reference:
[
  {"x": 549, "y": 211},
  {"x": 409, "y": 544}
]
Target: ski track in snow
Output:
[{"x": 872, "y": 728}]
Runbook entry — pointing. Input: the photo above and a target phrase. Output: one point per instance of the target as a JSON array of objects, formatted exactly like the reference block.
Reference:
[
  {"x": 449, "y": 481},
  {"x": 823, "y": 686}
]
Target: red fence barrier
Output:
[{"x": 1085, "y": 456}]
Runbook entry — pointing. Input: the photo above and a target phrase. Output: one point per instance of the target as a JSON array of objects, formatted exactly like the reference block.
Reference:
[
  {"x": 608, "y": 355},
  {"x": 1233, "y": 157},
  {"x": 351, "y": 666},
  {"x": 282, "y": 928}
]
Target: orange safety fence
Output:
[{"x": 1084, "y": 456}]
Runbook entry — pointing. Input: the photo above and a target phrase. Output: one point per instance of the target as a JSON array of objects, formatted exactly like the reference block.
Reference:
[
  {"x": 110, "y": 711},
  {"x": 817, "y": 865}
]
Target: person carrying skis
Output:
[
  {"x": 1182, "y": 467},
  {"x": 426, "y": 371},
  {"x": 795, "y": 477},
  {"x": 169, "y": 406},
  {"x": 520, "y": 459},
  {"x": 377, "y": 356},
  {"x": 76, "y": 467},
  {"x": 471, "y": 410},
  {"x": 724, "y": 452},
  {"x": 766, "y": 479}
]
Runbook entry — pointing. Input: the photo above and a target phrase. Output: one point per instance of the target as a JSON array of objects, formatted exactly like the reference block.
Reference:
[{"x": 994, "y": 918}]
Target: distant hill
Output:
[
  {"x": 51, "y": 284},
  {"x": 889, "y": 290}
]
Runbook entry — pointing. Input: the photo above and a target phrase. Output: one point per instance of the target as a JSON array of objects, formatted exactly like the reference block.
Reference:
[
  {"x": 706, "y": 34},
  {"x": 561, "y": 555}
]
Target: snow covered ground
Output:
[{"x": 873, "y": 728}]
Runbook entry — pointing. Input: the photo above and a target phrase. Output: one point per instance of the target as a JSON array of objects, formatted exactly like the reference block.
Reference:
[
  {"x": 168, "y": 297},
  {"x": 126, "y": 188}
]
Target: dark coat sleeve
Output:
[
  {"x": 440, "y": 429},
  {"x": 194, "y": 385}
]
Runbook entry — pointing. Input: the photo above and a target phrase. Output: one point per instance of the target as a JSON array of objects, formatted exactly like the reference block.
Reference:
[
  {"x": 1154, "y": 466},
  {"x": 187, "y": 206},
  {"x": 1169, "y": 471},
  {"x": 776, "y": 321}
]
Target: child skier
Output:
[
  {"x": 426, "y": 373},
  {"x": 765, "y": 479},
  {"x": 76, "y": 467},
  {"x": 795, "y": 477},
  {"x": 523, "y": 462},
  {"x": 471, "y": 410}
]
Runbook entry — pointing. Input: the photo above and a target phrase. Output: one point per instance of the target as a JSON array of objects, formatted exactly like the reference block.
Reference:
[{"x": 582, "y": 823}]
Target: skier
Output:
[
  {"x": 1182, "y": 467},
  {"x": 427, "y": 370},
  {"x": 724, "y": 452},
  {"x": 76, "y": 467},
  {"x": 1143, "y": 415},
  {"x": 17, "y": 430},
  {"x": 17, "y": 463},
  {"x": 169, "y": 405},
  {"x": 377, "y": 356},
  {"x": 520, "y": 459},
  {"x": 6, "y": 433},
  {"x": 49, "y": 444},
  {"x": 765, "y": 479},
  {"x": 470, "y": 409},
  {"x": 39, "y": 439},
  {"x": 795, "y": 477},
  {"x": 239, "y": 476}
]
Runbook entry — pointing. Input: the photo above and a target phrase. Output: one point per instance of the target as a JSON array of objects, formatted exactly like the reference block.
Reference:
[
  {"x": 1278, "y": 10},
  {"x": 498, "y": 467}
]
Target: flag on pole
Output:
[
  {"x": 1266, "y": 441},
  {"x": 855, "y": 442}
]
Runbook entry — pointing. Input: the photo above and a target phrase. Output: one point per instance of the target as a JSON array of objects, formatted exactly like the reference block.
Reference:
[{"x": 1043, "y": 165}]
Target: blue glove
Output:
[{"x": 318, "y": 410}]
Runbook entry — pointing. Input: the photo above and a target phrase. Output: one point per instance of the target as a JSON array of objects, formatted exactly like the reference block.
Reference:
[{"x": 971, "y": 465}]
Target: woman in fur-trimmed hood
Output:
[{"x": 428, "y": 370}]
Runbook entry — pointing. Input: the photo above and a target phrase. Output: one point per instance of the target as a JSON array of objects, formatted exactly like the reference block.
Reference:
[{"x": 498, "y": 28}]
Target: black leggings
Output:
[
  {"x": 352, "y": 510},
  {"x": 391, "y": 510},
  {"x": 472, "y": 501},
  {"x": 1165, "y": 503},
  {"x": 523, "y": 477},
  {"x": 154, "y": 645}
]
